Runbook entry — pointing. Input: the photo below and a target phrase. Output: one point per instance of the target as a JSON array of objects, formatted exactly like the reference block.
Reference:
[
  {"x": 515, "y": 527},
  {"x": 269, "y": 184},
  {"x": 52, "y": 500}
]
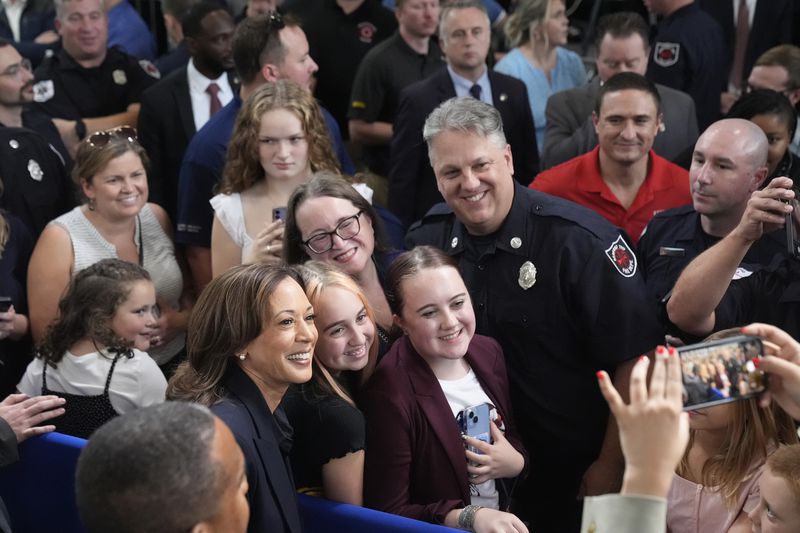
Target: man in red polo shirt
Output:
[{"x": 622, "y": 179}]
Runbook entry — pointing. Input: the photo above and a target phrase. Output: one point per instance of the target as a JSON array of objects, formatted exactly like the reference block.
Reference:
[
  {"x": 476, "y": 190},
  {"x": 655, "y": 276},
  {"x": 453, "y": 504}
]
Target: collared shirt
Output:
[
  {"x": 579, "y": 180},
  {"x": 201, "y": 100},
  {"x": 751, "y": 11},
  {"x": 463, "y": 85},
  {"x": 14, "y": 11}
]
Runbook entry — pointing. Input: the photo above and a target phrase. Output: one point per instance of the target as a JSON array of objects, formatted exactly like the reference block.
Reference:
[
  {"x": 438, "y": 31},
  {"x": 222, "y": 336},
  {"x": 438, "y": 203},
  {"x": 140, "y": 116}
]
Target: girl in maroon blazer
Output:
[{"x": 416, "y": 461}]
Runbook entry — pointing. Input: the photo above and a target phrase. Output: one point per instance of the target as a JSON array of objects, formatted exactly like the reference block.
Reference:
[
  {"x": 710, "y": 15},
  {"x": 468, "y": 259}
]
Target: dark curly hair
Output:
[
  {"x": 243, "y": 168},
  {"x": 88, "y": 307}
]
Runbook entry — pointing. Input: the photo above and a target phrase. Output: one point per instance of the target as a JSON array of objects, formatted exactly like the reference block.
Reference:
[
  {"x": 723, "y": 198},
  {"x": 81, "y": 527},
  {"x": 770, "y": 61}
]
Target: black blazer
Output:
[
  {"x": 412, "y": 184},
  {"x": 772, "y": 25},
  {"x": 166, "y": 125},
  {"x": 272, "y": 498}
]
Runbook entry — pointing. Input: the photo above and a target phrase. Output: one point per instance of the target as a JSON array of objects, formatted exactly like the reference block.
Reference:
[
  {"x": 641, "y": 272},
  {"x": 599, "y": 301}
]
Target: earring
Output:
[
  {"x": 241, "y": 356},
  {"x": 91, "y": 204}
]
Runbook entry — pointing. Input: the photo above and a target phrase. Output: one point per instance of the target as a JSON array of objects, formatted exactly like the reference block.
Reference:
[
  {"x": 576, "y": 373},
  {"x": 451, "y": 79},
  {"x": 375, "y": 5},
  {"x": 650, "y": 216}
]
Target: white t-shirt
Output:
[
  {"x": 136, "y": 382},
  {"x": 462, "y": 393}
]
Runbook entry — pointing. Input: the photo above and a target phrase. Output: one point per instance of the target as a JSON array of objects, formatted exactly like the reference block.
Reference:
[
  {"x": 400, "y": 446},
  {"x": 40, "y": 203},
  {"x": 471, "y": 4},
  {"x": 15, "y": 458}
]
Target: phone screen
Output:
[{"x": 721, "y": 371}]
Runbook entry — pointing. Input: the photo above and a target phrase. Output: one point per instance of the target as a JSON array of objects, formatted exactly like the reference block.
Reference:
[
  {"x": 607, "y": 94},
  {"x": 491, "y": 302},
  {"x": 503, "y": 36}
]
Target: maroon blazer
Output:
[{"x": 415, "y": 462}]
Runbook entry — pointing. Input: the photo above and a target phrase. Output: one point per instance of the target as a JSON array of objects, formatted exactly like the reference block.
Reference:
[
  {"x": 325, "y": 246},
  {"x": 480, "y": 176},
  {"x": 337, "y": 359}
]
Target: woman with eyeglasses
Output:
[
  {"x": 328, "y": 220},
  {"x": 115, "y": 221},
  {"x": 279, "y": 140}
]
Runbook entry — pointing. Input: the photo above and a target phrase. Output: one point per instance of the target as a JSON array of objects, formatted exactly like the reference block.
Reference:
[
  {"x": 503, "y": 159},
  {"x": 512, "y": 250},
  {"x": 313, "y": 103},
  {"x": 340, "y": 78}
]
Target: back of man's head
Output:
[
  {"x": 150, "y": 470},
  {"x": 257, "y": 42},
  {"x": 627, "y": 81}
]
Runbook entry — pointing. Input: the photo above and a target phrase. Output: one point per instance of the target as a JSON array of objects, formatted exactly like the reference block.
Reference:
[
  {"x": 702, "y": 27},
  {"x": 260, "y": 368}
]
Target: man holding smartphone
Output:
[{"x": 714, "y": 292}]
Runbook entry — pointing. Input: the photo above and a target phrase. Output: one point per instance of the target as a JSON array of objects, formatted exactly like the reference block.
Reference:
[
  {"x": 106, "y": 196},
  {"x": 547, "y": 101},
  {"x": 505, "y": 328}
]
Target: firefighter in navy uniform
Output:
[
  {"x": 688, "y": 54},
  {"x": 557, "y": 286}
]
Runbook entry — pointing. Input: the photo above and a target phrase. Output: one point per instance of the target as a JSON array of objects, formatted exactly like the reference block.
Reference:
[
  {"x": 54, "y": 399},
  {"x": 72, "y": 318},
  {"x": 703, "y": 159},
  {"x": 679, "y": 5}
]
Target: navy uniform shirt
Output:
[
  {"x": 37, "y": 188},
  {"x": 64, "y": 89},
  {"x": 559, "y": 288},
  {"x": 770, "y": 295},
  {"x": 688, "y": 54},
  {"x": 674, "y": 237}
]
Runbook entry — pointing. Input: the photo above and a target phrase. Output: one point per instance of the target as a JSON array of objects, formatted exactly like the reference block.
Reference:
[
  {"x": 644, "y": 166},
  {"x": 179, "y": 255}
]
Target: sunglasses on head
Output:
[{"x": 101, "y": 138}]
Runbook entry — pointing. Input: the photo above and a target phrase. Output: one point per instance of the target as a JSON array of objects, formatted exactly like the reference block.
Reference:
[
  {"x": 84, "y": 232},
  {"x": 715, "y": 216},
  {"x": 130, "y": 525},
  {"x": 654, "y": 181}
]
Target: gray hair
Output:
[
  {"x": 150, "y": 470},
  {"x": 466, "y": 115},
  {"x": 447, "y": 7},
  {"x": 60, "y": 4}
]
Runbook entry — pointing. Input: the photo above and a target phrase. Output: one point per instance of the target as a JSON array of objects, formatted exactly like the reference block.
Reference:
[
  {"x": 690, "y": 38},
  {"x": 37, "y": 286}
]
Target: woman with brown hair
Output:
[
  {"x": 115, "y": 221},
  {"x": 279, "y": 140},
  {"x": 251, "y": 336}
]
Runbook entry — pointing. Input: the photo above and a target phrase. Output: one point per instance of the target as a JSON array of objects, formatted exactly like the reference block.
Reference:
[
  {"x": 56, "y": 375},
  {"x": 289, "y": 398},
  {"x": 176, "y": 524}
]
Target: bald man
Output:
[{"x": 729, "y": 163}]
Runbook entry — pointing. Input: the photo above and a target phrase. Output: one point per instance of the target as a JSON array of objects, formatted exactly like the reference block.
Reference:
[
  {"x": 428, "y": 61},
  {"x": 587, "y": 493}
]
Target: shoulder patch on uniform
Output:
[
  {"x": 43, "y": 91},
  {"x": 150, "y": 68},
  {"x": 666, "y": 54},
  {"x": 622, "y": 257}
]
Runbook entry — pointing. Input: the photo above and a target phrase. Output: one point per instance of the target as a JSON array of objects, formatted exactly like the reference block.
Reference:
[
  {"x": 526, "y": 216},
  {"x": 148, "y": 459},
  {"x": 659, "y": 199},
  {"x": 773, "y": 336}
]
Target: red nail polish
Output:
[
  {"x": 661, "y": 350},
  {"x": 672, "y": 351},
  {"x": 600, "y": 375},
  {"x": 757, "y": 361},
  {"x": 642, "y": 357}
]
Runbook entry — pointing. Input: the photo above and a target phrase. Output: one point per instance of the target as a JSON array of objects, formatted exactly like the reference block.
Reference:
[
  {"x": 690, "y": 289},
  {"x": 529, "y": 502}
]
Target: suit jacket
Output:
[
  {"x": 415, "y": 462},
  {"x": 570, "y": 132},
  {"x": 272, "y": 498},
  {"x": 412, "y": 184},
  {"x": 772, "y": 25},
  {"x": 166, "y": 125}
]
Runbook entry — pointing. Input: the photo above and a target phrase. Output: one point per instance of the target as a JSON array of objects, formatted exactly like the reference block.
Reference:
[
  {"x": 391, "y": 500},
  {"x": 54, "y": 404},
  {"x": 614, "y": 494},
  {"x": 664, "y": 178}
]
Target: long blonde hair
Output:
[
  {"x": 752, "y": 434},
  {"x": 527, "y": 13},
  {"x": 317, "y": 277}
]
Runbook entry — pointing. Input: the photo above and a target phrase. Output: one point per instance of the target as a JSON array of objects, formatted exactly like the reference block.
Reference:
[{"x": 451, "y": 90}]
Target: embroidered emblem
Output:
[
  {"x": 119, "y": 77},
  {"x": 150, "y": 69},
  {"x": 35, "y": 170},
  {"x": 527, "y": 275},
  {"x": 366, "y": 32},
  {"x": 666, "y": 54},
  {"x": 741, "y": 273},
  {"x": 43, "y": 91},
  {"x": 622, "y": 257}
]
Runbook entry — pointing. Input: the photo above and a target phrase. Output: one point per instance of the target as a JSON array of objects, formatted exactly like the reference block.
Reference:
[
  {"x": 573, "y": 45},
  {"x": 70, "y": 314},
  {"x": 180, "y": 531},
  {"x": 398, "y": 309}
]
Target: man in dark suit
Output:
[
  {"x": 769, "y": 24},
  {"x": 464, "y": 39},
  {"x": 180, "y": 104},
  {"x": 622, "y": 46}
]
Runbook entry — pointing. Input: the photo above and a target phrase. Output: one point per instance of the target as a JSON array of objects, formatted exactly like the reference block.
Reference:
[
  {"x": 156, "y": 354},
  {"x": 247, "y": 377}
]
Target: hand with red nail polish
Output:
[{"x": 781, "y": 362}]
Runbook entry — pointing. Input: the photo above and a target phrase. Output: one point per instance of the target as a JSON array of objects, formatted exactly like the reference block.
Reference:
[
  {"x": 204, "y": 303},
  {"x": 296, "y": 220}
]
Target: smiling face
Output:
[
  {"x": 281, "y": 355},
  {"x": 474, "y": 176},
  {"x": 324, "y": 214},
  {"x": 627, "y": 125},
  {"x": 282, "y": 146},
  {"x": 120, "y": 189},
  {"x": 134, "y": 320},
  {"x": 346, "y": 333},
  {"x": 437, "y": 313},
  {"x": 83, "y": 27}
]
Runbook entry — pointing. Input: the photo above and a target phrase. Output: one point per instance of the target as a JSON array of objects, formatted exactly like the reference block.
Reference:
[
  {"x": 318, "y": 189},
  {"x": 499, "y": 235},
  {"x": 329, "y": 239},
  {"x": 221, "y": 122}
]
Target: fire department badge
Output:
[
  {"x": 366, "y": 32},
  {"x": 527, "y": 275},
  {"x": 43, "y": 91},
  {"x": 119, "y": 76},
  {"x": 622, "y": 257},
  {"x": 35, "y": 170},
  {"x": 666, "y": 54}
]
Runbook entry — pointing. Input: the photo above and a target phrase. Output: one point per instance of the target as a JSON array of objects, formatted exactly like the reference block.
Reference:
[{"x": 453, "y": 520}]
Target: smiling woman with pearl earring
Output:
[{"x": 538, "y": 30}]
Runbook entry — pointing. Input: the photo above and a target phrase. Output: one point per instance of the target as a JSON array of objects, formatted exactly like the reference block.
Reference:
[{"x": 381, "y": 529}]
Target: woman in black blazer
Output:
[{"x": 252, "y": 335}]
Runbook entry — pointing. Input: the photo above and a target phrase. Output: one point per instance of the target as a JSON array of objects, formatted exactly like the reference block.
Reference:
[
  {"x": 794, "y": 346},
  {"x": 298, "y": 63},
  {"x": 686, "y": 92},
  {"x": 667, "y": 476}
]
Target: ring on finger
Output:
[{"x": 269, "y": 248}]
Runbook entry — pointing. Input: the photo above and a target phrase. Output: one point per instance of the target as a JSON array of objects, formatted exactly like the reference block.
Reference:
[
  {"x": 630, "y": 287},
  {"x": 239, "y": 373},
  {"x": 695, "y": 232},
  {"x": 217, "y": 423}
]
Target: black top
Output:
[
  {"x": 84, "y": 414},
  {"x": 673, "y": 238},
  {"x": 64, "y": 89},
  {"x": 771, "y": 295},
  {"x": 385, "y": 71},
  {"x": 558, "y": 287},
  {"x": 37, "y": 188},
  {"x": 688, "y": 53},
  {"x": 324, "y": 428},
  {"x": 338, "y": 42}
]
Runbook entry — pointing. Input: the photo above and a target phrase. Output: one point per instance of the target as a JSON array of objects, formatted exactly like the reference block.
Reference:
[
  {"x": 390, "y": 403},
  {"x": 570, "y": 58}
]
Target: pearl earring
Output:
[{"x": 241, "y": 356}]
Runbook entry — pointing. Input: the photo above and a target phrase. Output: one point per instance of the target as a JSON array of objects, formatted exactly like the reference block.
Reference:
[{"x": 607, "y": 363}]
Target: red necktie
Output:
[{"x": 216, "y": 105}]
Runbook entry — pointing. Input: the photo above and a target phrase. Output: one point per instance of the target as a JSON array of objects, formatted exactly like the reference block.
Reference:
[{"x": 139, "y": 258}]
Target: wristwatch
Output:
[{"x": 80, "y": 129}]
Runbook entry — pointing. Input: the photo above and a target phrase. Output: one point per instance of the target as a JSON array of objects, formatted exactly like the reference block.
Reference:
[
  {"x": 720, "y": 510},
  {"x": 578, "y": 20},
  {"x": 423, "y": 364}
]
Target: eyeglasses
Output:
[
  {"x": 14, "y": 70},
  {"x": 346, "y": 229},
  {"x": 101, "y": 138}
]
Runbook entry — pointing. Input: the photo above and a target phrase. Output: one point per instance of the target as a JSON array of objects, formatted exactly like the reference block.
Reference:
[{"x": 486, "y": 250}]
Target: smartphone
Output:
[
  {"x": 792, "y": 246},
  {"x": 474, "y": 422},
  {"x": 279, "y": 213},
  {"x": 5, "y": 303},
  {"x": 721, "y": 371}
]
